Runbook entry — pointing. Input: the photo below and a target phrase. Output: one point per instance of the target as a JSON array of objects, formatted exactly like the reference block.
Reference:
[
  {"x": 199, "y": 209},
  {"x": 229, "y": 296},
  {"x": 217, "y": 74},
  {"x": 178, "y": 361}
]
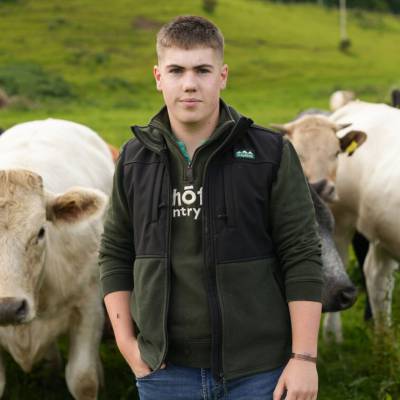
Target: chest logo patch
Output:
[{"x": 245, "y": 154}]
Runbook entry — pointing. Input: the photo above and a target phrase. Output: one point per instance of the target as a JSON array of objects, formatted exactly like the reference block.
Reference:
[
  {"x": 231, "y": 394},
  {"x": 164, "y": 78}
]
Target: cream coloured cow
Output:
[
  {"x": 369, "y": 200},
  {"x": 55, "y": 176},
  {"x": 315, "y": 140}
]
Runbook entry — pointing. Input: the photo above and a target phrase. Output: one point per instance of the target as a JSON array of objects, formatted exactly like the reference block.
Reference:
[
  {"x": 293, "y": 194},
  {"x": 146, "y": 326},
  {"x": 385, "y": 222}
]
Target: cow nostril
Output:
[
  {"x": 13, "y": 310},
  {"x": 319, "y": 186},
  {"x": 330, "y": 189},
  {"x": 347, "y": 297},
  {"x": 22, "y": 309}
]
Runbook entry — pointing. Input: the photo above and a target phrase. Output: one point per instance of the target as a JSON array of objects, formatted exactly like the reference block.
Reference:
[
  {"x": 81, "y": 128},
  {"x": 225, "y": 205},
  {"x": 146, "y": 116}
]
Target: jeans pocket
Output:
[{"x": 152, "y": 373}]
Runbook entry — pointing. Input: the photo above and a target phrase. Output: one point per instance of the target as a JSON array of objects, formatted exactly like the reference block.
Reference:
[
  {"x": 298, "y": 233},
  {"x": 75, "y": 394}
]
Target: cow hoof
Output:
[
  {"x": 87, "y": 393},
  {"x": 86, "y": 389}
]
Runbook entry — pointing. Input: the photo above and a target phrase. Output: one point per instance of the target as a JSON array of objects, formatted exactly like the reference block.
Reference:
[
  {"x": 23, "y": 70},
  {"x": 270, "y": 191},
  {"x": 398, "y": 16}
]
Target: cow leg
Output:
[
  {"x": 360, "y": 246},
  {"x": 379, "y": 268},
  {"x": 2, "y": 377},
  {"x": 84, "y": 371},
  {"x": 332, "y": 328}
]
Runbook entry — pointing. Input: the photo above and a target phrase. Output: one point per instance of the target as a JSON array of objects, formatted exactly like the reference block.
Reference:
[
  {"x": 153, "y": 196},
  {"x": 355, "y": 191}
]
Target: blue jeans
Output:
[{"x": 185, "y": 383}]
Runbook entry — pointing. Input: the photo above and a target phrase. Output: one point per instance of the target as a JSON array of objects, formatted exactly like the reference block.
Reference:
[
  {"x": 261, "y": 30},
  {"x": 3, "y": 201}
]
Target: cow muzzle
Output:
[
  {"x": 326, "y": 190},
  {"x": 13, "y": 310},
  {"x": 341, "y": 299}
]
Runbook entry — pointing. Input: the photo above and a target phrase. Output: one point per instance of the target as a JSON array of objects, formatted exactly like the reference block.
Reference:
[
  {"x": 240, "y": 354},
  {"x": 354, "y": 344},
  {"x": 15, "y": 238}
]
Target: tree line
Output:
[{"x": 373, "y": 5}]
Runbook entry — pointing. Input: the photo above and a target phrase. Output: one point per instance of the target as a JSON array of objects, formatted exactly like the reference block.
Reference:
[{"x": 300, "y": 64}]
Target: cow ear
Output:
[
  {"x": 76, "y": 205},
  {"x": 114, "y": 152},
  {"x": 339, "y": 127},
  {"x": 351, "y": 141},
  {"x": 285, "y": 129}
]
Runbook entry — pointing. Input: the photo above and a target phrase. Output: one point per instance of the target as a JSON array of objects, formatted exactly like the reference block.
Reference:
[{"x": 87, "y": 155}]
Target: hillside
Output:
[{"x": 98, "y": 58}]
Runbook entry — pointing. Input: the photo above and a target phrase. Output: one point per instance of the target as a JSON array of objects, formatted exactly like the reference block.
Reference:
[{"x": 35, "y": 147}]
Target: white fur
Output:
[
  {"x": 64, "y": 154},
  {"x": 340, "y": 98},
  {"x": 368, "y": 185}
]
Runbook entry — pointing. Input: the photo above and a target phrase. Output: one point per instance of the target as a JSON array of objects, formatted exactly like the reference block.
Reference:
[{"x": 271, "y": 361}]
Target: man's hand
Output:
[
  {"x": 300, "y": 381},
  {"x": 130, "y": 351},
  {"x": 117, "y": 304}
]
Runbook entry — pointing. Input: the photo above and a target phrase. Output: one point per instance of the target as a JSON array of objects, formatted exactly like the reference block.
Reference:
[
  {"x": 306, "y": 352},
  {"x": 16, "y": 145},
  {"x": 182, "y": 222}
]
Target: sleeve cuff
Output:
[
  {"x": 115, "y": 283},
  {"x": 304, "y": 290}
]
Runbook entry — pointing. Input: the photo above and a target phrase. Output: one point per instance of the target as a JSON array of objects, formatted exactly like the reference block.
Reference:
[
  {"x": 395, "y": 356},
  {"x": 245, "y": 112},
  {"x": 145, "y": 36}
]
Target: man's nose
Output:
[{"x": 189, "y": 82}]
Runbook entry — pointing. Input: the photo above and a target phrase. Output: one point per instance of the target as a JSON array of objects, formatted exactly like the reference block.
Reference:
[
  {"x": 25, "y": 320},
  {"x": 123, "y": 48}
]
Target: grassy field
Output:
[{"x": 91, "y": 62}]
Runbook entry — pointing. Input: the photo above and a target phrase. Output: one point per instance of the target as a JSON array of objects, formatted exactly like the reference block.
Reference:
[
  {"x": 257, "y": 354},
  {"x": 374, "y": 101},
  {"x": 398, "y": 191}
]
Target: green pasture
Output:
[
  {"x": 91, "y": 62},
  {"x": 282, "y": 58}
]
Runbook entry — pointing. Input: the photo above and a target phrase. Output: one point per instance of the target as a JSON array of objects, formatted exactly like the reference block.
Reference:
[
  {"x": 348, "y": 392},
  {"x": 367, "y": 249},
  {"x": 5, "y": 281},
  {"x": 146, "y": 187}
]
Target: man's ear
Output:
[
  {"x": 75, "y": 205},
  {"x": 157, "y": 77},
  {"x": 224, "y": 76}
]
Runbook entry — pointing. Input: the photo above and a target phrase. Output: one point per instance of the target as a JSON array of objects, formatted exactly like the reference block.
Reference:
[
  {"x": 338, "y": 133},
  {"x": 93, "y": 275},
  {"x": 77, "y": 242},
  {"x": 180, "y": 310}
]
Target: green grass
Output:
[
  {"x": 44, "y": 383},
  {"x": 366, "y": 366},
  {"x": 282, "y": 59}
]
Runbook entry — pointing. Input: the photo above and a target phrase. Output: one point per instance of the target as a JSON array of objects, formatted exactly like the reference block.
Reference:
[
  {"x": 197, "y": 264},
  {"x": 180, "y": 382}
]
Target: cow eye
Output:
[{"x": 41, "y": 233}]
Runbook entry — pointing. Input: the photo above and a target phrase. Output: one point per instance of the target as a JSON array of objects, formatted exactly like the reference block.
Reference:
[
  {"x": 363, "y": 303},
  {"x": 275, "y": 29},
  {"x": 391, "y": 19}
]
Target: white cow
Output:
[
  {"x": 55, "y": 176},
  {"x": 368, "y": 187}
]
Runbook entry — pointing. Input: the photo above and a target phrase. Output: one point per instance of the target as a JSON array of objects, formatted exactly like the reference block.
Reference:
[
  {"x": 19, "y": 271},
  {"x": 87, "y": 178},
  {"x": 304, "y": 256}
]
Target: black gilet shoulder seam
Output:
[{"x": 263, "y": 128}]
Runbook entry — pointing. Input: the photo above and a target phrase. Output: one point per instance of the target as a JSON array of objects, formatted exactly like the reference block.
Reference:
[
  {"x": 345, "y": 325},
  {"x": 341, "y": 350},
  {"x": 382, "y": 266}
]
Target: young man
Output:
[{"x": 210, "y": 260}]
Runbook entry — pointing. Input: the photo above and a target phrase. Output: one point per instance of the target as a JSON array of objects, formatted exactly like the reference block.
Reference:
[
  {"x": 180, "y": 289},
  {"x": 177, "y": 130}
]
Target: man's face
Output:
[{"x": 191, "y": 81}]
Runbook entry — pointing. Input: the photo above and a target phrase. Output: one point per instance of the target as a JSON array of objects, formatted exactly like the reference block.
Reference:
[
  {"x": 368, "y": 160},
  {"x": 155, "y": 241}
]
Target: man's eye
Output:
[
  {"x": 204, "y": 71},
  {"x": 175, "y": 71}
]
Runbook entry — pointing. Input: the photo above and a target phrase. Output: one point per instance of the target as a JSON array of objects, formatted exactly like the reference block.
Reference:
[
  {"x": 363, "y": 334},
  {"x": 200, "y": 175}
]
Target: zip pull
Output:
[{"x": 189, "y": 173}]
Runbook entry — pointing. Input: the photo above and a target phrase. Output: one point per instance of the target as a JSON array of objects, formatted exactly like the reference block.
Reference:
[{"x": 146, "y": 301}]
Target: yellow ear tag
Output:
[{"x": 351, "y": 148}]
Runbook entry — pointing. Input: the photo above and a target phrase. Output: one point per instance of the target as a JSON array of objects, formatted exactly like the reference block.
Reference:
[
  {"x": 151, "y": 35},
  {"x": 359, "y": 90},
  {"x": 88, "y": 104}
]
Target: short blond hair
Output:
[{"x": 188, "y": 32}]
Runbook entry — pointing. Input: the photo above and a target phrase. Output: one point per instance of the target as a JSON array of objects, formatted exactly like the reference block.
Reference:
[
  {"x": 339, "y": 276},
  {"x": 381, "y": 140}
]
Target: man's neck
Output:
[{"x": 194, "y": 135}]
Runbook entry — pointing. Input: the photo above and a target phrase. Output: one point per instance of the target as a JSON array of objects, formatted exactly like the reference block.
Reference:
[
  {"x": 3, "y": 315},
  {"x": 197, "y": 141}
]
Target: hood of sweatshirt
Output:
[{"x": 155, "y": 134}]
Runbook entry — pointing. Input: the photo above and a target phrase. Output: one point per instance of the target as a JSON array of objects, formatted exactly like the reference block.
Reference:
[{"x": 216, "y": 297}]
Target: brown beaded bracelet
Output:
[{"x": 304, "y": 357}]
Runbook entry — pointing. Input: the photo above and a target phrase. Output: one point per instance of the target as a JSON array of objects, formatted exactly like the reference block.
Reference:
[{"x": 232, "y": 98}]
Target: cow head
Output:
[
  {"x": 318, "y": 146},
  {"x": 338, "y": 291},
  {"x": 27, "y": 214}
]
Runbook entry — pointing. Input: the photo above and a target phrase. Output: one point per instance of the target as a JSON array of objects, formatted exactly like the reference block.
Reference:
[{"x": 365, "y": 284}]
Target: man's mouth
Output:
[{"x": 190, "y": 101}]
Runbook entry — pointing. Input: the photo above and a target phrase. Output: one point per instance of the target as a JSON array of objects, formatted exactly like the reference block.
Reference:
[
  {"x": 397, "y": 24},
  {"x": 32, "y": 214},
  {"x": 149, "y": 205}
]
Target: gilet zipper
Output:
[{"x": 210, "y": 261}]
